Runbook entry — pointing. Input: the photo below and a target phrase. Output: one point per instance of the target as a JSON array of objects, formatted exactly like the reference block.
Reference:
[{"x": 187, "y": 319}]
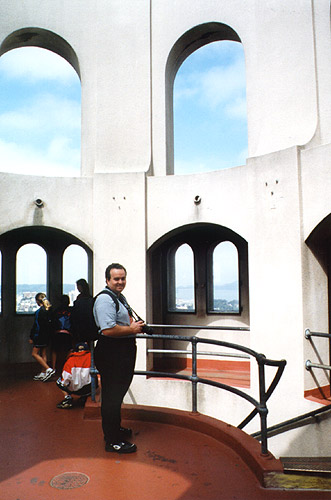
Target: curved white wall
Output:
[{"x": 274, "y": 202}]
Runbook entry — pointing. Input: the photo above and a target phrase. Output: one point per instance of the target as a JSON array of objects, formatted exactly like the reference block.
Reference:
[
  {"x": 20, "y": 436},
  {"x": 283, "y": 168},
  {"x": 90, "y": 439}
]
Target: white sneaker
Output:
[
  {"x": 40, "y": 376},
  {"x": 49, "y": 373}
]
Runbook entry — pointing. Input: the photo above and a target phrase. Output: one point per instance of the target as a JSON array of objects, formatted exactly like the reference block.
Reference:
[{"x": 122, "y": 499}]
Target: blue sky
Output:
[
  {"x": 40, "y": 112},
  {"x": 31, "y": 264},
  {"x": 210, "y": 120}
]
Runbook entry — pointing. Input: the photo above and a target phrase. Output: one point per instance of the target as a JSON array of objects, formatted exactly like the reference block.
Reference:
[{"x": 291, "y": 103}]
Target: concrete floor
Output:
[{"x": 40, "y": 443}]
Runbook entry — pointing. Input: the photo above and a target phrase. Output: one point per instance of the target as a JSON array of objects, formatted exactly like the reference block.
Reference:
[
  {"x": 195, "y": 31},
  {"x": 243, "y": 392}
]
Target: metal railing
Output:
[
  {"x": 260, "y": 405},
  {"x": 292, "y": 423},
  {"x": 308, "y": 363},
  {"x": 309, "y": 334}
]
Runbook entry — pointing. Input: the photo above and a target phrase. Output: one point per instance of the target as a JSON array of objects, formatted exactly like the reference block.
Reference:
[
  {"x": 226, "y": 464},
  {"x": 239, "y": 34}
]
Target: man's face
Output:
[{"x": 117, "y": 280}]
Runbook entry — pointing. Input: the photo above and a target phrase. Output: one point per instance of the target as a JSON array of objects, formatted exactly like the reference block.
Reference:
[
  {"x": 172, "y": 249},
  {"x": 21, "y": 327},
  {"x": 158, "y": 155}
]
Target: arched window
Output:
[
  {"x": 200, "y": 270},
  {"x": 210, "y": 116},
  {"x": 181, "y": 279},
  {"x": 75, "y": 267},
  {"x": 40, "y": 113},
  {"x": 224, "y": 283},
  {"x": 31, "y": 273}
]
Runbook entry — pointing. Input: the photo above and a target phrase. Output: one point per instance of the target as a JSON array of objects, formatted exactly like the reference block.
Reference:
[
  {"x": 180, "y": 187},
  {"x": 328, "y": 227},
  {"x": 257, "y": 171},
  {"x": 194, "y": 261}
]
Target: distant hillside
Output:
[
  {"x": 227, "y": 286},
  {"x": 41, "y": 288}
]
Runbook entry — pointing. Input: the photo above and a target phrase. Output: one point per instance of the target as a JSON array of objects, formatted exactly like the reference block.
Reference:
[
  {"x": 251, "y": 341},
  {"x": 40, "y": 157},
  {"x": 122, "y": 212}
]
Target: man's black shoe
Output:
[
  {"x": 125, "y": 432},
  {"x": 122, "y": 447}
]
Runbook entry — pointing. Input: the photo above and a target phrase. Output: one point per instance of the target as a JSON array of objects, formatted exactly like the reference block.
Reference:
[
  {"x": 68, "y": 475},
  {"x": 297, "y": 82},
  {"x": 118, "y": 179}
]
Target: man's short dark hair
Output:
[{"x": 114, "y": 265}]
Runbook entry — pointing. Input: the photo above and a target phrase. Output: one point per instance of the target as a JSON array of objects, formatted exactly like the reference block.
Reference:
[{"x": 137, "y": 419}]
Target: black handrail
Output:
[
  {"x": 309, "y": 365},
  {"x": 260, "y": 405},
  {"x": 309, "y": 334},
  {"x": 291, "y": 421},
  {"x": 264, "y": 395}
]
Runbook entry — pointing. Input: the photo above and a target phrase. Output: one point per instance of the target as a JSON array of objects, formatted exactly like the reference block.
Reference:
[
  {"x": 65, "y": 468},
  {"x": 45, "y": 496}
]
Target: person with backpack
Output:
[
  {"x": 61, "y": 339},
  {"x": 84, "y": 328},
  {"x": 76, "y": 377},
  {"x": 115, "y": 356},
  {"x": 40, "y": 336}
]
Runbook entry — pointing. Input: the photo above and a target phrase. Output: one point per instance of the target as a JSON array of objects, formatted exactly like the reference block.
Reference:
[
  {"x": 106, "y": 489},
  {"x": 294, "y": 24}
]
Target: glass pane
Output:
[
  {"x": 210, "y": 112},
  {"x": 75, "y": 267},
  {"x": 225, "y": 297},
  {"x": 184, "y": 279},
  {"x": 31, "y": 272}
]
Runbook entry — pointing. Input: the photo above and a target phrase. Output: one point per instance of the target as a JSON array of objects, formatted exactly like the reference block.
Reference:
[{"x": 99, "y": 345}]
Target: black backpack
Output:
[
  {"x": 62, "y": 319},
  {"x": 84, "y": 327}
]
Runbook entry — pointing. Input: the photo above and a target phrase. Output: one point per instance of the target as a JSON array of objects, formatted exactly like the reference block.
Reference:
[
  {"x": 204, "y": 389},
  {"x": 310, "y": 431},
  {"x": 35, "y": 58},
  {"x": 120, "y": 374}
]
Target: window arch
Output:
[
  {"x": 40, "y": 117},
  {"x": 181, "y": 296},
  {"x": 220, "y": 263},
  {"x": 31, "y": 277},
  {"x": 210, "y": 114},
  {"x": 223, "y": 289},
  {"x": 189, "y": 42},
  {"x": 75, "y": 267}
]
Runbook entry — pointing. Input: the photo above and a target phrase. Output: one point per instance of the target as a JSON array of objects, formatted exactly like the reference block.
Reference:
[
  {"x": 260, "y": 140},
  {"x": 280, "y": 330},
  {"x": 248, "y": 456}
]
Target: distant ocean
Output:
[
  {"x": 224, "y": 292},
  {"x": 41, "y": 288}
]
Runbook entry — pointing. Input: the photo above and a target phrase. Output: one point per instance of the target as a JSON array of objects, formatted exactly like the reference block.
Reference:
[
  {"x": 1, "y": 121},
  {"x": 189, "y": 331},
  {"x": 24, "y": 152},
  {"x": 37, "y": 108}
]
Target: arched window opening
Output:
[
  {"x": 31, "y": 277},
  {"x": 40, "y": 113},
  {"x": 224, "y": 283},
  {"x": 210, "y": 116},
  {"x": 75, "y": 267},
  {"x": 212, "y": 275},
  {"x": 181, "y": 296}
]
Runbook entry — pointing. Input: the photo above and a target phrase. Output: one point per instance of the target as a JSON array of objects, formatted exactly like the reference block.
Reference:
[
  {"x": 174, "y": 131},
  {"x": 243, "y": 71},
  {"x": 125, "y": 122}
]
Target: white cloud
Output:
[
  {"x": 184, "y": 92},
  {"x": 209, "y": 164},
  {"x": 43, "y": 112},
  {"x": 237, "y": 108},
  {"x": 222, "y": 85},
  {"x": 29, "y": 161},
  {"x": 39, "y": 129},
  {"x": 35, "y": 64}
]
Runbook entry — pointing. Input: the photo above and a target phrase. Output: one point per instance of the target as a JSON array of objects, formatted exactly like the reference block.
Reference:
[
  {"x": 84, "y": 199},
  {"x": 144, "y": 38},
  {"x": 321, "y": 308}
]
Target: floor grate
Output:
[{"x": 307, "y": 464}]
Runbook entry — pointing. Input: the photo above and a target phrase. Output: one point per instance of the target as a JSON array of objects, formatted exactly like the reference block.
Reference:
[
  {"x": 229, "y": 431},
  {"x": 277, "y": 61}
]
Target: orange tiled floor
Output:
[{"x": 39, "y": 442}]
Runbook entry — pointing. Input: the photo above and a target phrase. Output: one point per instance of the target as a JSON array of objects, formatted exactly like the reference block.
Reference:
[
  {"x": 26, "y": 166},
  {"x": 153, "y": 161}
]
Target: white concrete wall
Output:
[
  {"x": 281, "y": 101},
  {"x": 68, "y": 204},
  {"x": 274, "y": 202}
]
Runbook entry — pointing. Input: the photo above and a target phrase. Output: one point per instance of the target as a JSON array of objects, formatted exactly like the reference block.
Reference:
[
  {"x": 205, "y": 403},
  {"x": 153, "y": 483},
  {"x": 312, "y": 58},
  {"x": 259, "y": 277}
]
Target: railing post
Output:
[
  {"x": 194, "y": 375},
  {"x": 263, "y": 411},
  {"x": 93, "y": 372}
]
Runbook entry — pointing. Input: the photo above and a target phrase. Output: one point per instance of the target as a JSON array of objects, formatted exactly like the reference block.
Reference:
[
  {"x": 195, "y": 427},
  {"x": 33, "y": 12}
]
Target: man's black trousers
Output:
[{"x": 115, "y": 359}]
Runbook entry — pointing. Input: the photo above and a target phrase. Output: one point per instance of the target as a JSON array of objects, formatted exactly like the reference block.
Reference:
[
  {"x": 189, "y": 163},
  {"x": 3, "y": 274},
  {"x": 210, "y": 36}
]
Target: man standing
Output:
[{"x": 115, "y": 356}]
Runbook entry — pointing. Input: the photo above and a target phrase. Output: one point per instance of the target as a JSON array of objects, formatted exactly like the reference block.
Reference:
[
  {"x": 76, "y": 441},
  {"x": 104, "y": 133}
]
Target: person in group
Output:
[
  {"x": 76, "y": 377},
  {"x": 83, "y": 288},
  {"x": 81, "y": 323},
  {"x": 115, "y": 355},
  {"x": 40, "y": 336},
  {"x": 61, "y": 338}
]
